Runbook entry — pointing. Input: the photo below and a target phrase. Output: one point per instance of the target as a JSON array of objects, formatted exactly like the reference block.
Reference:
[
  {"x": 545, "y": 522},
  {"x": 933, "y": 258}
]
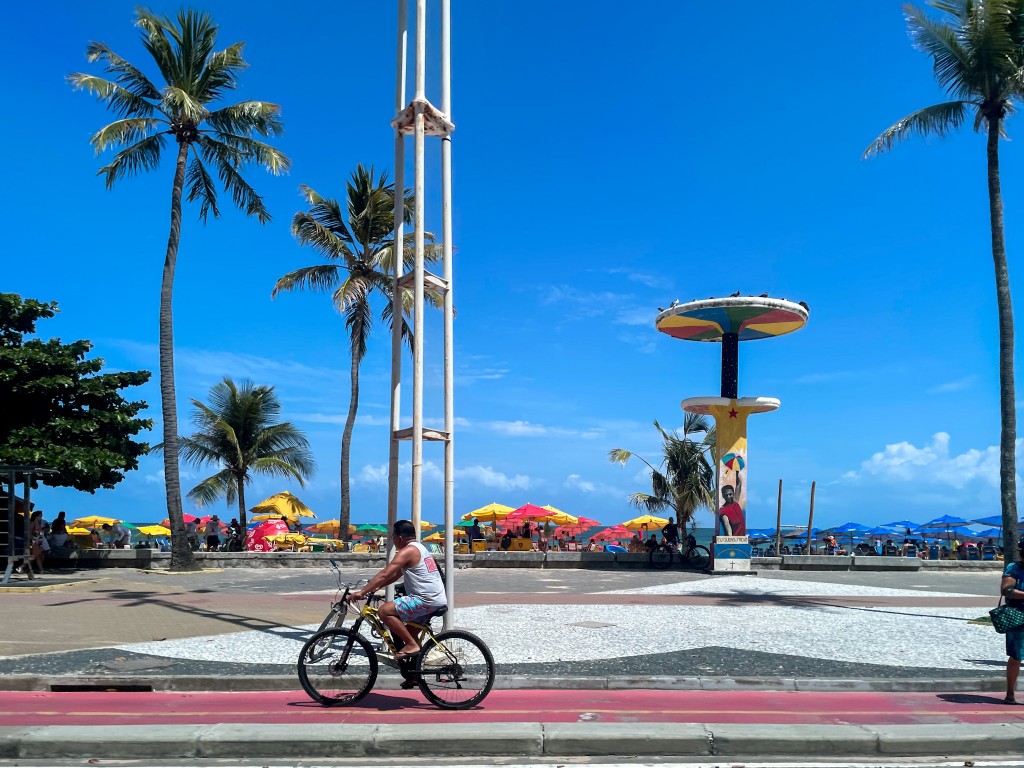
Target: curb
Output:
[
  {"x": 224, "y": 683},
  {"x": 276, "y": 741}
]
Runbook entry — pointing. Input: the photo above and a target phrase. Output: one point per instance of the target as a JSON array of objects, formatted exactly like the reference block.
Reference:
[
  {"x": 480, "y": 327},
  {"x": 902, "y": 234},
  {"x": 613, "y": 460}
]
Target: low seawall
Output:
[{"x": 153, "y": 560}]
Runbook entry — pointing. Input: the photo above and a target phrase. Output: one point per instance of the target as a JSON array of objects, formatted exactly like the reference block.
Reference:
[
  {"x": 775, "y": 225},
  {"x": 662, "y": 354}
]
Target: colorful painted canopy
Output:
[{"x": 749, "y": 317}]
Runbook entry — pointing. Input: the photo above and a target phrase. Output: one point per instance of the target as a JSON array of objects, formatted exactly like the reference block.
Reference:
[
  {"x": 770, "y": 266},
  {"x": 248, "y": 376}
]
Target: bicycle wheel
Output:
[
  {"x": 337, "y": 666},
  {"x": 457, "y": 671},
  {"x": 699, "y": 557},
  {"x": 660, "y": 557}
]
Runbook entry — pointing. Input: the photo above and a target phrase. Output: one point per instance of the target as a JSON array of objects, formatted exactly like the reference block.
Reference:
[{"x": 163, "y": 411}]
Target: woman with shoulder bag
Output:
[{"x": 1012, "y": 589}]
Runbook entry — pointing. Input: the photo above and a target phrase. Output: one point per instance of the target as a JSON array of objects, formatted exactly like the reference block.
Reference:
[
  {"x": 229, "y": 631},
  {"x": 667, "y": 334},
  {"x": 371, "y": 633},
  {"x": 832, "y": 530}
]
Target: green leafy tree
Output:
[
  {"x": 684, "y": 480},
  {"x": 59, "y": 411},
  {"x": 357, "y": 239},
  {"x": 238, "y": 432},
  {"x": 977, "y": 52},
  {"x": 209, "y": 141}
]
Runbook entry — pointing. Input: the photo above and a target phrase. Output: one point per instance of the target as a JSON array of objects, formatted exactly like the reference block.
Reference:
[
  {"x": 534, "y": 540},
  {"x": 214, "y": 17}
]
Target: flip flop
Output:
[
  {"x": 1009, "y": 700},
  {"x": 402, "y": 656}
]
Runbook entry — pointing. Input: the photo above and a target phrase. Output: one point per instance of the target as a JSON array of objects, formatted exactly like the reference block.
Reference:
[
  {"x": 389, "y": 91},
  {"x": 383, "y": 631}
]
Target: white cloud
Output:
[
  {"x": 527, "y": 429},
  {"x": 576, "y": 482},
  {"x": 953, "y": 386},
  {"x": 931, "y": 464},
  {"x": 487, "y": 477}
]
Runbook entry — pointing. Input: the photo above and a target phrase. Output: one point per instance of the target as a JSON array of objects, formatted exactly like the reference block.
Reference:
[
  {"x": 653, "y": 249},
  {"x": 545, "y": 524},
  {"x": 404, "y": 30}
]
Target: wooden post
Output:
[
  {"x": 778, "y": 524},
  {"x": 810, "y": 519}
]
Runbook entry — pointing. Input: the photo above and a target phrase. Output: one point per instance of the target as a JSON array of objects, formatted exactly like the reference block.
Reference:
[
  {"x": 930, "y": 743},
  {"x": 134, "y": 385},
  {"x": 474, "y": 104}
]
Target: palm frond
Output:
[
  {"x": 155, "y": 34},
  {"x": 213, "y": 488},
  {"x": 182, "y": 105},
  {"x": 359, "y": 322},
  {"x": 220, "y": 70},
  {"x": 142, "y": 156},
  {"x": 246, "y": 150},
  {"x": 260, "y": 116},
  {"x": 125, "y": 74},
  {"x": 938, "y": 119},
  {"x": 201, "y": 187},
  {"x": 322, "y": 277},
  {"x": 242, "y": 193},
  {"x": 950, "y": 61},
  {"x": 119, "y": 100},
  {"x": 126, "y": 131}
]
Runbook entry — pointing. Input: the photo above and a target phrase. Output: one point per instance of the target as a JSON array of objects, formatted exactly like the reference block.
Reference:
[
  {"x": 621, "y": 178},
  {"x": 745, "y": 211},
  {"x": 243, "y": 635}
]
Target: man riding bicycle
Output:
[
  {"x": 671, "y": 532},
  {"x": 424, "y": 588}
]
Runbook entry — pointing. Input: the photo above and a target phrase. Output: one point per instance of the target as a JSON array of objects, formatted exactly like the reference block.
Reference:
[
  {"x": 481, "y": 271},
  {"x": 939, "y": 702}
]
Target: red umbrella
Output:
[
  {"x": 614, "y": 533},
  {"x": 254, "y": 538},
  {"x": 583, "y": 524}
]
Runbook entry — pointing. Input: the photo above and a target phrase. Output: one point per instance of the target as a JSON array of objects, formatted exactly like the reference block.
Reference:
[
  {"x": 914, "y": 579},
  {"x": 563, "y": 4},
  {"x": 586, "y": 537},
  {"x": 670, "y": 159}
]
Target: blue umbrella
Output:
[
  {"x": 946, "y": 521},
  {"x": 880, "y": 530},
  {"x": 903, "y": 524},
  {"x": 996, "y": 520},
  {"x": 989, "y": 533},
  {"x": 848, "y": 528}
]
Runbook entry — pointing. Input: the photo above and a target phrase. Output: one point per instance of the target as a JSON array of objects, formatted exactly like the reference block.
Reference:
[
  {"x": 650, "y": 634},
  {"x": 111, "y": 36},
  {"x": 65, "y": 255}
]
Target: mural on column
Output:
[{"x": 731, "y": 429}]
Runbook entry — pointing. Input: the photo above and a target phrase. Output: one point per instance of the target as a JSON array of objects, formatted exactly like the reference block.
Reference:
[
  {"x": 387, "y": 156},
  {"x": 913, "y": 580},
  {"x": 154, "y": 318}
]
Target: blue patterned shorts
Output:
[{"x": 412, "y": 608}]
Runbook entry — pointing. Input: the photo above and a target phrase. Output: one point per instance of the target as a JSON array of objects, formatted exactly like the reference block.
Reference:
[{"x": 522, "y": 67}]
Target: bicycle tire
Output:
[
  {"x": 456, "y": 672},
  {"x": 660, "y": 557},
  {"x": 337, "y": 666},
  {"x": 699, "y": 558}
]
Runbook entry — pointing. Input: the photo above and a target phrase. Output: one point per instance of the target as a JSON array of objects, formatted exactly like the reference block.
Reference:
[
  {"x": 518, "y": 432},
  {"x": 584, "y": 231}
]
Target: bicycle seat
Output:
[{"x": 436, "y": 612}]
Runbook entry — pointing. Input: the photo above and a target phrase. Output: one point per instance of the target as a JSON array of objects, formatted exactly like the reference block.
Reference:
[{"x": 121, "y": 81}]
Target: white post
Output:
[
  {"x": 449, "y": 385},
  {"x": 396, "y": 305},
  {"x": 419, "y": 221}
]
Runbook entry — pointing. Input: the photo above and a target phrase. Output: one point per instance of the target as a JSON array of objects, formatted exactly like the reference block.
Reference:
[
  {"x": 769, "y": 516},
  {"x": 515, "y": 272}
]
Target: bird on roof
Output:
[
  {"x": 737, "y": 293},
  {"x": 764, "y": 295},
  {"x": 804, "y": 305},
  {"x": 661, "y": 309},
  {"x": 674, "y": 303}
]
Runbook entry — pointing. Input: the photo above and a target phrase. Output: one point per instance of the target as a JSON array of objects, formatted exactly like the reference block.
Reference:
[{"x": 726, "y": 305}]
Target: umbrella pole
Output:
[
  {"x": 810, "y": 519},
  {"x": 778, "y": 524}
]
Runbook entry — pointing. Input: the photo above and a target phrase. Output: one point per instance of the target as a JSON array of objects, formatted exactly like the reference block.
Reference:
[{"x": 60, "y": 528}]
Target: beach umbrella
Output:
[
  {"x": 901, "y": 524},
  {"x": 154, "y": 530},
  {"x": 994, "y": 520},
  {"x": 989, "y": 533},
  {"x": 615, "y": 533},
  {"x": 330, "y": 526},
  {"x": 283, "y": 504},
  {"x": 541, "y": 515},
  {"x": 76, "y": 531},
  {"x": 645, "y": 521},
  {"x": 435, "y": 537},
  {"x": 93, "y": 521},
  {"x": 372, "y": 528},
  {"x": 490, "y": 512}
]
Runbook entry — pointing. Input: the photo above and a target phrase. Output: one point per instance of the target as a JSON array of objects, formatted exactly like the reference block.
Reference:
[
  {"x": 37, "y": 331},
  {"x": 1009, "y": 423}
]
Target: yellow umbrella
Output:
[
  {"x": 282, "y": 504},
  {"x": 154, "y": 530},
  {"x": 645, "y": 520},
  {"x": 73, "y": 531},
  {"x": 94, "y": 521},
  {"x": 425, "y": 526},
  {"x": 290, "y": 538},
  {"x": 491, "y": 512},
  {"x": 329, "y": 526},
  {"x": 436, "y": 537}
]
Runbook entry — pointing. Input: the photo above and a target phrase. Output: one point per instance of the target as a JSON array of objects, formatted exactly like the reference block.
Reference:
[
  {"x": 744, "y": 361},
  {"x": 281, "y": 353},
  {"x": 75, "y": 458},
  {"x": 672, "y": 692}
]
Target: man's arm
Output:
[
  {"x": 726, "y": 525},
  {"x": 1009, "y": 589},
  {"x": 389, "y": 574}
]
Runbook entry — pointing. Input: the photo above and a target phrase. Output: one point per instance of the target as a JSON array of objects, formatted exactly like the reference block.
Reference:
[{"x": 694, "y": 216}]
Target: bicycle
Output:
[
  {"x": 695, "y": 556},
  {"x": 454, "y": 669}
]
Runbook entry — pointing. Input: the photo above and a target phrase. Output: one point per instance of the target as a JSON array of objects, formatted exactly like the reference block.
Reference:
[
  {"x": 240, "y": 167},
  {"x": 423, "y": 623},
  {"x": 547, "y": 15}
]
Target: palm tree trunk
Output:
[
  {"x": 241, "y": 504},
  {"x": 346, "y": 442},
  {"x": 1008, "y": 416},
  {"x": 182, "y": 558}
]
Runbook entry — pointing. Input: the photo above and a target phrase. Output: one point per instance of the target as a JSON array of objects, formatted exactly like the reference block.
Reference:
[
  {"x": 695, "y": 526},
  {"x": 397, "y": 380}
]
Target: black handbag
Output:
[{"x": 1006, "y": 618}]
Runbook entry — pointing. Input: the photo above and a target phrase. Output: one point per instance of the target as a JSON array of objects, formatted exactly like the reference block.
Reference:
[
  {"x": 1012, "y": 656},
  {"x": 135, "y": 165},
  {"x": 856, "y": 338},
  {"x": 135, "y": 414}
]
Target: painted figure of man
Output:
[{"x": 731, "y": 519}]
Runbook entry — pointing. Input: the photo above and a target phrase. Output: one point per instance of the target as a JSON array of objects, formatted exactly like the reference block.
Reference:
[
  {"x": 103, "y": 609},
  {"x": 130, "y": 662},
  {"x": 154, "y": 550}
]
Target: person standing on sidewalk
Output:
[{"x": 1013, "y": 592}]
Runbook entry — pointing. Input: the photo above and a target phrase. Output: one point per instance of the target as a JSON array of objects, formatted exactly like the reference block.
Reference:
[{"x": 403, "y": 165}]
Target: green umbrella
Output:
[{"x": 367, "y": 527}]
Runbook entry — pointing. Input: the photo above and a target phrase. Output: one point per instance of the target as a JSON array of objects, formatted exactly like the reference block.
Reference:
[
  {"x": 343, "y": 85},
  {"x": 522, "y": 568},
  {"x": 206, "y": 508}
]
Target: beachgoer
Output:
[
  {"x": 234, "y": 536},
  {"x": 671, "y": 532},
  {"x": 120, "y": 537},
  {"x": 212, "y": 533},
  {"x": 506, "y": 539},
  {"x": 192, "y": 534},
  {"x": 424, "y": 588},
  {"x": 1012, "y": 587},
  {"x": 38, "y": 545}
]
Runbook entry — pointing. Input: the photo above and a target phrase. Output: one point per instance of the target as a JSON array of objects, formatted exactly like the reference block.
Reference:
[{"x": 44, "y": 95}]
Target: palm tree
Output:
[
  {"x": 238, "y": 432},
  {"x": 358, "y": 241},
  {"x": 977, "y": 54},
  {"x": 195, "y": 76},
  {"x": 684, "y": 480}
]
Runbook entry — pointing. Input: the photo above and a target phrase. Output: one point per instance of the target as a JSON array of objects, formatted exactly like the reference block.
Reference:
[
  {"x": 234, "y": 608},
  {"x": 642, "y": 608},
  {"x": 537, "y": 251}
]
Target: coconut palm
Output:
[
  {"x": 238, "y": 432},
  {"x": 357, "y": 239},
  {"x": 684, "y": 480},
  {"x": 977, "y": 53},
  {"x": 218, "y": 140}
]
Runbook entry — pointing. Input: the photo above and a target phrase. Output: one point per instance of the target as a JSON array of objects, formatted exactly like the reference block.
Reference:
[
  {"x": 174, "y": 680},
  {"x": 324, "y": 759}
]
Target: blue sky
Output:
[{"x": 606, "y": 161}]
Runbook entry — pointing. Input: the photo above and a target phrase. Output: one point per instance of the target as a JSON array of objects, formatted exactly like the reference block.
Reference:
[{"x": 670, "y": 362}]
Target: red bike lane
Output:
[{"x": 19, "y": 708}]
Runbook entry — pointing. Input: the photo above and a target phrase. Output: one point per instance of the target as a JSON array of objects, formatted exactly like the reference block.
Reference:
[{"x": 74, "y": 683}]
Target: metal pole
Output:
[
  {"x": 778, "y": 524},
  {"x": 418, "y": 329},
  {"x": 730, "y": 365},
  {"x": 810, "y": 521},
  {"x": 396, "y": 305},
  {"x": 449, "y": 314}
]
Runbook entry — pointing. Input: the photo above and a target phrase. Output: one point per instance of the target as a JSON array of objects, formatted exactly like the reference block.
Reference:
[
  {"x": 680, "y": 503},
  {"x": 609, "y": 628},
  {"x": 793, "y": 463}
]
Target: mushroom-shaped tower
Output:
[{"x": 730, "y": 321}]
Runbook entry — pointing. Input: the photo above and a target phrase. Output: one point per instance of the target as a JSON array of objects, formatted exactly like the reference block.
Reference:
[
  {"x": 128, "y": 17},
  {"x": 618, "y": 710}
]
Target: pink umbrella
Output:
[
  {"x": 614, "y": 533},
  {"x": 583, "y": 524},
  {"x": 527, "y": 512},
  {"x": 254, "y": 540}
]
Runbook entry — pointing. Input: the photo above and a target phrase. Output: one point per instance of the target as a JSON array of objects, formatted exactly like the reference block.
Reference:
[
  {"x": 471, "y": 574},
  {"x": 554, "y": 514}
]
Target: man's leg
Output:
[{"x": 389, "y": 613}]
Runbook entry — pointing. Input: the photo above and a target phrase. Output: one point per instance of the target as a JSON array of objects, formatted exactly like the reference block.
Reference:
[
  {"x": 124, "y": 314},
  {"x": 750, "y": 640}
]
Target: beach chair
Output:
[
  {"x": 572, "y": 546},
  {"x": 973, "y": 554},
  {"x": 988, "y": 552},
  {"x": 911, "y": 550},
  {"x": 365, "y": 548}
]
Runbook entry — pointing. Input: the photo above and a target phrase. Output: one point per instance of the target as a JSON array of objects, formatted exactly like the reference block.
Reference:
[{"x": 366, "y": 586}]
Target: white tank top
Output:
[{"x": 423, "y": 580}]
